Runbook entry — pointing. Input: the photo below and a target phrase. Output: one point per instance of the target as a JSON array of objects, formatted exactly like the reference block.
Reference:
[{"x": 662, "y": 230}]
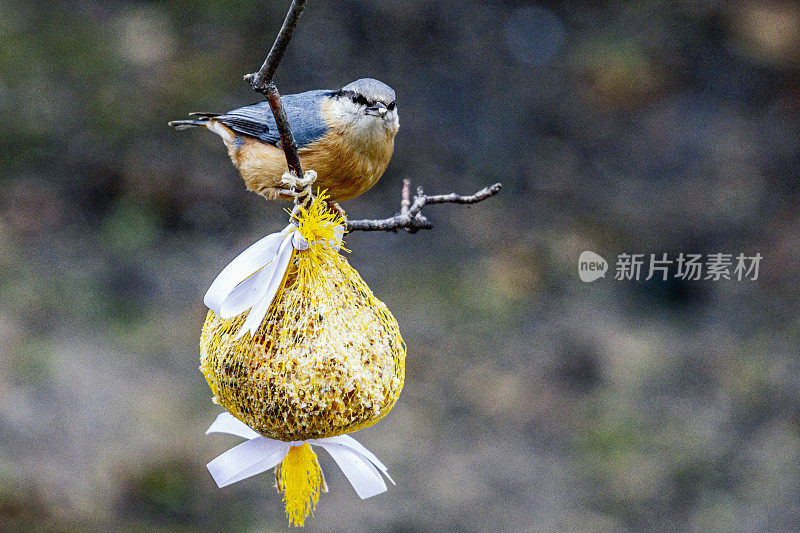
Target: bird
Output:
[{"x": 346, "y": 136}]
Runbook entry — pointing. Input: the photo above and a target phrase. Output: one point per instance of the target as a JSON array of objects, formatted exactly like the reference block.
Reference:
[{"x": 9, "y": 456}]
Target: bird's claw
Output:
[
  {"x": 336, "y": 207},
  {"x": 299, "y": 187}
]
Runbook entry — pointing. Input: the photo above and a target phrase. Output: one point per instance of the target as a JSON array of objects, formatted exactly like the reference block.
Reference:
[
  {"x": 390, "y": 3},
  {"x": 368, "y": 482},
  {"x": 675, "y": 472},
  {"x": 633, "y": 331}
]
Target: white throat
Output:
[{"x": 360, "y": 128}]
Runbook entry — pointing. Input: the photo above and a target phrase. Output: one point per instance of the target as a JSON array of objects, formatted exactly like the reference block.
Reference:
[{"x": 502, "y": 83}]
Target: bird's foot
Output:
[
  {"x": 299, "y": 187},
  {"x": 340, "y": 211}
]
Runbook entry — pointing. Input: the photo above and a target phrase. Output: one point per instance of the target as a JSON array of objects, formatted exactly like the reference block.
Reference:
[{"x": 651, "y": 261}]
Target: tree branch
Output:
[
  {"x": 411, "y": 218},
  {"x": 287, "y": 137},
  {"x": 261, "y": 82},
  {"x": 261, "y": 79}
]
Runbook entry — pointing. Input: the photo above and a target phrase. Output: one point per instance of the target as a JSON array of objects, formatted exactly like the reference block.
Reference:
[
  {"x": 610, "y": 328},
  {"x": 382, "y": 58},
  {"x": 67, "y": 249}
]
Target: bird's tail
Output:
[
  {"x": 183, "y": 124},
  {"x": 200, "y": 121}
]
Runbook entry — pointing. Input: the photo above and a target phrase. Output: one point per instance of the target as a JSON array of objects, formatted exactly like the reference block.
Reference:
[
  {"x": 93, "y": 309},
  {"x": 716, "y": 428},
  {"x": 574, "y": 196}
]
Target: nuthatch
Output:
[{"x": 346, "y": 136}]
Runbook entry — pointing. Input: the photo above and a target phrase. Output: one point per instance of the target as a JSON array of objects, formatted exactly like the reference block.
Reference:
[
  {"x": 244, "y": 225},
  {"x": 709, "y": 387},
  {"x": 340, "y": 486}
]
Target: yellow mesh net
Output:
[{"x": 327, "y": 359}]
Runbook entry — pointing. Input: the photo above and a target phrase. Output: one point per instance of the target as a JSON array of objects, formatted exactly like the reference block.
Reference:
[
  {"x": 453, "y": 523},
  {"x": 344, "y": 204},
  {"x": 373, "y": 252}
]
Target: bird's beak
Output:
[{"x": 377, "y": 110}]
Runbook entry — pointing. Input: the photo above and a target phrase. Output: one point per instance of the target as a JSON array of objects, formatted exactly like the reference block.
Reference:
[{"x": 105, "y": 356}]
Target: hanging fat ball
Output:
[{"x": 326, "y": 359}]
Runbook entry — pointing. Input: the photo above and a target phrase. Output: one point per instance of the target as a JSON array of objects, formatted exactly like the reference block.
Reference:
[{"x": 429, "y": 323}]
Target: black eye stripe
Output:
[{"x": 360, "y": 99}]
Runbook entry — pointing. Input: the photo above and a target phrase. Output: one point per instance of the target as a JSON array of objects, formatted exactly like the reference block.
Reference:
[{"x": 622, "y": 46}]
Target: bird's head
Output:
[{"x": 369, "y": 106}]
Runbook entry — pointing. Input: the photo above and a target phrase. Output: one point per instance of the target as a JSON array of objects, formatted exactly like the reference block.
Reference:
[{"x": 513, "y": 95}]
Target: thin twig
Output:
[
  {"x": 261, "y": 82},
  {"x": 405, "y": 198},
  {"x": 411, "y": 218},
  {"x": 261, "y": 79},
  {"x": 284, "y": 129}
]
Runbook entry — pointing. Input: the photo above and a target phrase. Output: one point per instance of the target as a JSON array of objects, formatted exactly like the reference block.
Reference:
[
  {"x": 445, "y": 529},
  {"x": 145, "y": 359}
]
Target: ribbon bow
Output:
[
  {"x": 260, "y": 453},
  {"x": 252, "y": 279}
]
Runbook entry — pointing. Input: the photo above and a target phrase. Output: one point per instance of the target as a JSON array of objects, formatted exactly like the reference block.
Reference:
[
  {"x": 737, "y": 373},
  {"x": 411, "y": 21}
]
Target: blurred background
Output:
[{"x": 533, "y": 401}]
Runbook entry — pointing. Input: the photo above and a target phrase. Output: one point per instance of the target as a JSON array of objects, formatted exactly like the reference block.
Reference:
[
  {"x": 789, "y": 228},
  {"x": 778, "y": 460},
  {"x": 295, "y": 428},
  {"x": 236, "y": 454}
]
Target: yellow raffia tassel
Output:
[
  {"x": 317, "y": 224},
  {"x": 301, "y": 481}
]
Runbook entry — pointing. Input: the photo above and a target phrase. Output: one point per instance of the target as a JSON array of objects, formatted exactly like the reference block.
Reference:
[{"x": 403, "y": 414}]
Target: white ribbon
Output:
[
  {"x": 260, "y": 453},
  {"x": 251, "y": 280}
]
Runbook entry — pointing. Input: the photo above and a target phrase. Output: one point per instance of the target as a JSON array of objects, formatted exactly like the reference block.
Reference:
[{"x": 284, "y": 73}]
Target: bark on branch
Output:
[
  {"x": 261, "y": 79},
  {"x": 287, "y": 137},
  {"x": 261, "y": 82},
  {"x": 411, "y": 218}
]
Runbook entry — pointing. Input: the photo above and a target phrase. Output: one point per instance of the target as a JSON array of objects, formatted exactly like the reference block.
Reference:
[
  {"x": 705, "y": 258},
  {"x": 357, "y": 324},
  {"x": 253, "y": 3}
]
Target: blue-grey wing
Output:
[{"x": 304, "y": 111}]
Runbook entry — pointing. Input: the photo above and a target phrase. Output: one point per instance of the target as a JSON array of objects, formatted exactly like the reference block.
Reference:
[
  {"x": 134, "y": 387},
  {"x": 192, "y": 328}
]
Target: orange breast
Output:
[{"x": 345, "y": 171}]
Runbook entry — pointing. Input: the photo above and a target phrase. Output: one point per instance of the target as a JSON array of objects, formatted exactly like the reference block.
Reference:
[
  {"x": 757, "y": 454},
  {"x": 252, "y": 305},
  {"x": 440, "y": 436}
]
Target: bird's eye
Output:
[
  {"x": 359, "y": 99},
  {"x": 390, "y": 106}
]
